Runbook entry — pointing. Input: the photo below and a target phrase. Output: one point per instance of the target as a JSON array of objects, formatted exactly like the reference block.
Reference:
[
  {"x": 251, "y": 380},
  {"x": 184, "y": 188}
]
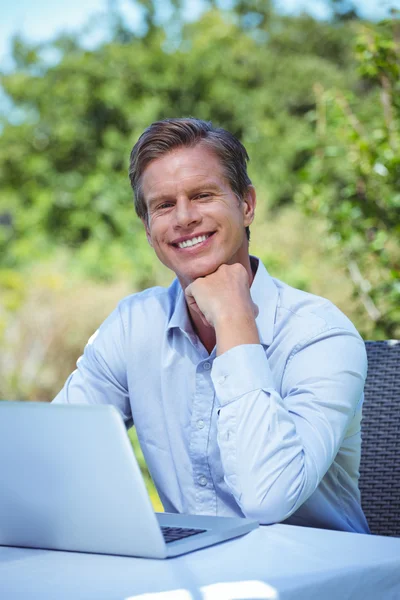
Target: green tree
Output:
[
  {"x": 354, "y": 177},
  {"x": 64, "y": 145}
]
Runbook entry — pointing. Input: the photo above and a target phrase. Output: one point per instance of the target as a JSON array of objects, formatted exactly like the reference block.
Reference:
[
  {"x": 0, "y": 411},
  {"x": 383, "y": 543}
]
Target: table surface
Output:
[{"x": 279, "y": 561}]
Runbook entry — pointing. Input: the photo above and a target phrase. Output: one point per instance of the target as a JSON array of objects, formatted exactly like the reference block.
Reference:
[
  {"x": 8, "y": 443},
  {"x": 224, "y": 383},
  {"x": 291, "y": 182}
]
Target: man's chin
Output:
[{"x": 188, "y": 278}]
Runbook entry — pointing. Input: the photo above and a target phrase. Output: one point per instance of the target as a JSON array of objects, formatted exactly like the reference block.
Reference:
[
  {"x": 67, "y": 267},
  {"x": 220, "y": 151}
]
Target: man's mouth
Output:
[{"x": 194, "y": 241}]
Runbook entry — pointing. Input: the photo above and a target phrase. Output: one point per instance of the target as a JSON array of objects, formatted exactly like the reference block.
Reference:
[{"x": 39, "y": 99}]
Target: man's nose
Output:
[{"x": 186, "y": 213}]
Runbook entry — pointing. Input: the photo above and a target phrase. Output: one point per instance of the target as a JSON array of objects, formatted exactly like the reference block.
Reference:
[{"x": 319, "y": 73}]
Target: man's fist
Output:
[{"x": 222, "y": 300}]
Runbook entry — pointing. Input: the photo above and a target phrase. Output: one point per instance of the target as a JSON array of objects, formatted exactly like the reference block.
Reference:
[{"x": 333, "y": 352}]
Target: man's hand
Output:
[{"x": 222, "y": 300}]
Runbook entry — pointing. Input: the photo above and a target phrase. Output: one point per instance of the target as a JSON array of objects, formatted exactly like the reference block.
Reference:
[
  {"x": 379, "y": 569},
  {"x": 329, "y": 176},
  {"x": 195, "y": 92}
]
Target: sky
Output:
[{"x": 40, "y": 20}]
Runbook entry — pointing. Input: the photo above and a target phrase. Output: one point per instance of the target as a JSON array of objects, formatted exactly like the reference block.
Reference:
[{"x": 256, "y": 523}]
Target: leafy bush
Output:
[{"x": 354, "y": 177}]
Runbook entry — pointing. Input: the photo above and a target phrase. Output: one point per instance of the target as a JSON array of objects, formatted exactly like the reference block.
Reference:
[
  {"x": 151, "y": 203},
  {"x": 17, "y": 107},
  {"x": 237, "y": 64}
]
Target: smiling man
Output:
[
  {"x": 246, "y": 393},
  {"x": 196, "y": 225}
]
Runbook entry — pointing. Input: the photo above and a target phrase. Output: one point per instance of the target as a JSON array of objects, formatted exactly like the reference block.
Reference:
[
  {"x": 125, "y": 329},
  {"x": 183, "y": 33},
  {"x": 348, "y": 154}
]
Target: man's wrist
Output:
[
  {"x": 234, "y": 330},
  {"x": 242, "y": 318}
]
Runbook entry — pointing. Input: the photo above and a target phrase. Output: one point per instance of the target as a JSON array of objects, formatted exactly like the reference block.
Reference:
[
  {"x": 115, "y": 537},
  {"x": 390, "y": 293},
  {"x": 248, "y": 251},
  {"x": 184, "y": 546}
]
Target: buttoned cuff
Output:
[{"x": 241, "y": 370}]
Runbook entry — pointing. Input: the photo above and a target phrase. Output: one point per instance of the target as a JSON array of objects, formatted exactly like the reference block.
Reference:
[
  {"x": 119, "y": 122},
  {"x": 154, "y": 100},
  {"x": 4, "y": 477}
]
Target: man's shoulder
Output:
[
  {"x": 151, "y": 301},
  {"x": 310, "y": 313}
]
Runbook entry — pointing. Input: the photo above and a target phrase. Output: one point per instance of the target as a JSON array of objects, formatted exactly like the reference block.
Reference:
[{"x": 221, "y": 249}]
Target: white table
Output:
[{"x": 280, "y": 561}]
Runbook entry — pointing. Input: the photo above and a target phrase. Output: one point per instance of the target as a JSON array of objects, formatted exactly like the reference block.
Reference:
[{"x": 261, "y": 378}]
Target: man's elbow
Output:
[
  {"x": 274, "y": 507},
  {"x": 266, "y": 513}
]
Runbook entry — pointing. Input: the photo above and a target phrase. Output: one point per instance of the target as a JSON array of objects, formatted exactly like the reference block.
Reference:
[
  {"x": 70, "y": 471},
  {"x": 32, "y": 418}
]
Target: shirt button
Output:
[
  {"x": 200, "y": 424},
  {"x": 203, "y": 480},
  {"x": 207, "y": 366}
]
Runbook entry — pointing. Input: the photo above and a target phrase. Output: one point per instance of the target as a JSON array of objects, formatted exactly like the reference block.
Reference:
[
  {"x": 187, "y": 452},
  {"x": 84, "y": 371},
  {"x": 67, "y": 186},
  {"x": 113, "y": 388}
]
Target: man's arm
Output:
[
  {"x": 276, "y": 448},
  {"x": 100, "y": 376},
  {"x": 223, "y": 301}
]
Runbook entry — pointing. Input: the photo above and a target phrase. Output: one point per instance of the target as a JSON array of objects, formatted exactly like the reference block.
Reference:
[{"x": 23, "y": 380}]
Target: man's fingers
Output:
[
  {"x": 196, "y": 309},
  {"x": 256, "y": 310},
  {"x": 224, "y": 291},
  {"x": 193, "y": 305}
]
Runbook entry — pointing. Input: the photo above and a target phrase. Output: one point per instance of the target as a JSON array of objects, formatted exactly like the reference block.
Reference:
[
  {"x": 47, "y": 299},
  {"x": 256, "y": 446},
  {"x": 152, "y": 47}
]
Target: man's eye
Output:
[
  {"x": 164, "y": 205},
  {"x": 203, "y": 196}
]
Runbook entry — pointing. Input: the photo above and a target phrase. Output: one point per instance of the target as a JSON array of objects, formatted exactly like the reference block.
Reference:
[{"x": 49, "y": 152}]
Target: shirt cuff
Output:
[{"x": 241, "y": 370}]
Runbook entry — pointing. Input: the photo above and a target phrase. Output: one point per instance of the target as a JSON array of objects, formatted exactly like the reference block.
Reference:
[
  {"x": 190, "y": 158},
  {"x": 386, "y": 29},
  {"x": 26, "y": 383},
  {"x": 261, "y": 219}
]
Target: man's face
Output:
[{"x": 195, "y": 221}]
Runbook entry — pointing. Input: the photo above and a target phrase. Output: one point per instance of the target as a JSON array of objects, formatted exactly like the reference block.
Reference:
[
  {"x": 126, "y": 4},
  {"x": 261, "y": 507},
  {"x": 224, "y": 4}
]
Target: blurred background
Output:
[{"x": 312, "y": 88}]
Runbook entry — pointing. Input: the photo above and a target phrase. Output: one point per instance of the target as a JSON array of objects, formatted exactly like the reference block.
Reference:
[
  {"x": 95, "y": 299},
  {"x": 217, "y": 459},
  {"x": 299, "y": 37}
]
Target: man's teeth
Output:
[{"x": 193, "y": 241}]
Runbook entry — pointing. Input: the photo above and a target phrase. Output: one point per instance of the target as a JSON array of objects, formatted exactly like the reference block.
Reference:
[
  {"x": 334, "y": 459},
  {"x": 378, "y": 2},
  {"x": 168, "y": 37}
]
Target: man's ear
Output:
[
  {"x": 249, "y": 205},
  {"x": 146, "y": 226}
]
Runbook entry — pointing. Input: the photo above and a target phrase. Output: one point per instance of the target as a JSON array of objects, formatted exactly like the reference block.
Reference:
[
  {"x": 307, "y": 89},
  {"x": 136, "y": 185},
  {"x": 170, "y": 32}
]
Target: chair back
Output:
[{"x": 380, "y": 456}]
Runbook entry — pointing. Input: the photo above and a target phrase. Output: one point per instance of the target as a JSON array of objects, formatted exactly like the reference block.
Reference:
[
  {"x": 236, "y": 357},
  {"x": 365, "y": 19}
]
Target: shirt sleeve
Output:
[
  {"x": 100, "y": 376},
  {"x": 277, "y": 446}
]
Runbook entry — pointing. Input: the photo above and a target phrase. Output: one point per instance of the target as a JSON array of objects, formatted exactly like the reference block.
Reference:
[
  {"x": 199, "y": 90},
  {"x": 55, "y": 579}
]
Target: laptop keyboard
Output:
[{"x": 172, "y": 534}]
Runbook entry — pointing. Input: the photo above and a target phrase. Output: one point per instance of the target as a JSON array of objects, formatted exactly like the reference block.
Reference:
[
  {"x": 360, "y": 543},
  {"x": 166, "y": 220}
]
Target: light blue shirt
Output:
[{"x": 270, "y": 431}]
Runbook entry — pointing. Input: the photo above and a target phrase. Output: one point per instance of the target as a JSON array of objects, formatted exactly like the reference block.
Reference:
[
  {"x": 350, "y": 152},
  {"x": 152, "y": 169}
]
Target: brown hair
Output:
[{"x": 163, "y": 136}]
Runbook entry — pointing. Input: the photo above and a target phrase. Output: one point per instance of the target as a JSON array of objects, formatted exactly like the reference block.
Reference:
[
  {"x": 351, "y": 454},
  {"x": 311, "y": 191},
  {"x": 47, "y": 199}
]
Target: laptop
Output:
[{"x": 69, "y": 480}]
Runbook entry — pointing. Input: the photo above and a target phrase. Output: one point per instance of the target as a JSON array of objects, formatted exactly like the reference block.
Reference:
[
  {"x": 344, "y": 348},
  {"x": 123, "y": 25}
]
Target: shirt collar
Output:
[
  {"x": 180, "y": 316},
  {"x": 263, "y": 292}
]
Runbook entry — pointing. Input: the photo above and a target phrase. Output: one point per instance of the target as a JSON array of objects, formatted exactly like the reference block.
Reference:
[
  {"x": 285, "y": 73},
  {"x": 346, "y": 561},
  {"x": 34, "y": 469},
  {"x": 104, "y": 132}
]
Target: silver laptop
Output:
[{"x": 69, "y": 480}]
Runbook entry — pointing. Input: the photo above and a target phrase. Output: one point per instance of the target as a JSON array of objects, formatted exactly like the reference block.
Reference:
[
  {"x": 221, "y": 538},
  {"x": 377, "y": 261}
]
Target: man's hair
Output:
[{"x": 169, "y": 134}]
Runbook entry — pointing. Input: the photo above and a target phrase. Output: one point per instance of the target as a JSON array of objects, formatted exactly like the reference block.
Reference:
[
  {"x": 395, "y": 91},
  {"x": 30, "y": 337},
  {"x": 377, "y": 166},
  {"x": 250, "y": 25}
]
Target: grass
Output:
[{"x": 155, "y": 500}]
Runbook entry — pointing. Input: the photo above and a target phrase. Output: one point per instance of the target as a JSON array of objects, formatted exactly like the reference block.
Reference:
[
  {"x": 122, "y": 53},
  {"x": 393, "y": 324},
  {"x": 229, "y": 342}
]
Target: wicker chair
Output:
[{"x": 380, "y": 456}]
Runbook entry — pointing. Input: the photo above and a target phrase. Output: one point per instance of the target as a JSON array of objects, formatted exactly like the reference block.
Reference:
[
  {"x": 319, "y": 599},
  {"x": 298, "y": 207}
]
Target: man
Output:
[{"x": 246, "y": 393}]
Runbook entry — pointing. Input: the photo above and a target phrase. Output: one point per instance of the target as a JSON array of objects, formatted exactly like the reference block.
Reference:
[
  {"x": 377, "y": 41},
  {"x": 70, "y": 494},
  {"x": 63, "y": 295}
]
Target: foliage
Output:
[
  {"x": 46, "y": 317},
  {"x": 354, "y": 177},
  {"x": 143, "y": 467},
  {"x": 65, "y": 144}
]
